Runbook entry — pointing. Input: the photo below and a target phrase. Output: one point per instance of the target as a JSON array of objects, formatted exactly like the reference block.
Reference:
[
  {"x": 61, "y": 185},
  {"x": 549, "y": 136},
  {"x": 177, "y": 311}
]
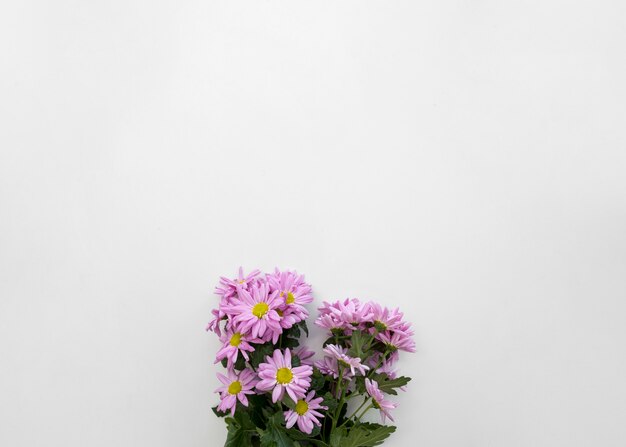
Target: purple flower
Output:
[
  {"x": 397, "y": 341},
  {"x": 383, "y": 318},
  {"x": 378, "y": 399},
  {"x": 292, "y": 289},
  {"x": 305, "y": 413},
  {"x": 228, "y": 287},
  {"x": 233, "y": 343},
  {"x": 343, "y": 359},
  {"x": 235, "y": 386},
  {"x": 256, "y": 312},
  {"x": 348, "y": 315},
  {"x": 328, "y": 366},
  {"x": 278, "y": 375}
]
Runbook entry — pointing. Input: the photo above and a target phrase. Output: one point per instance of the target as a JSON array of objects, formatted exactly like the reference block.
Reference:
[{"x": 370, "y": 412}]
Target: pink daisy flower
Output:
[
  {"x": 383, "y": 318},
  {"x": 397, "y": 341},
  {"x": 305, "y": 413},
  {"x": 234, "y": 343},
  {"x": 343, "y": 359},
  {"x": 228, "y": 287},
  {"x": 292, "y": 289},
  {"x": 378, "y": 399},
  {"x": 235, "y": 386},
  {"x": 328, "y": 366},
  {"x": 278, "y": 375},
  {"x": 256, "y": 312},
  {"x": 348, "y": 314},
  {"x": 290, "y": 316}
]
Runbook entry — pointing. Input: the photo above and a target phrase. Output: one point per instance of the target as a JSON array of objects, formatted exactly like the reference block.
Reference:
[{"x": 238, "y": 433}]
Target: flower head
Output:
[
  {"x": 343, "y": 359},
  {"x": 228, "y": 287},
  {"x": 305, "y": 413},
  {"x": 349, "y": 315},
  {"x": 235, "y": 386},
  {"x": 383, "y": 318},
  {"x": 256, "y": 312},
  {"x": 378, "y": 399},
  {"x": 278, "y": 375},
  {"x": 292, "y": 289},
  {"x": 233, "y": 343},
  {"x": 398, "y": 340}
]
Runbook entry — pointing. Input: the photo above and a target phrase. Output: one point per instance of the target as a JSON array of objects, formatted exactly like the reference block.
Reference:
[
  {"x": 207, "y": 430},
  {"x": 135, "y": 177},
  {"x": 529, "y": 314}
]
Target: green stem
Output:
[
  {"x": 357, "y": 410},
  {"x": 358, "y": 418}
]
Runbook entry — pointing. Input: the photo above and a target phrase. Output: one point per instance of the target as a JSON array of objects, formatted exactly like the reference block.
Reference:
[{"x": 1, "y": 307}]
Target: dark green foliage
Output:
[
  {"x": 387, "y": 385},
  {"x": 361, "y": 435}
]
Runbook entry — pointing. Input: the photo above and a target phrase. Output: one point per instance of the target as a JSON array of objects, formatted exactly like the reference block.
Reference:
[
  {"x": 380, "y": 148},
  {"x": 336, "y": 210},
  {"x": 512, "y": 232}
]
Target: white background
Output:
[{"x": 464, "y": 160}]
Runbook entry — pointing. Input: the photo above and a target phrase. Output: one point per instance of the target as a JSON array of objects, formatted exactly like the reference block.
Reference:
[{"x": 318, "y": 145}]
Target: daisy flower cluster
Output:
[{"x": 277, "y": 391}]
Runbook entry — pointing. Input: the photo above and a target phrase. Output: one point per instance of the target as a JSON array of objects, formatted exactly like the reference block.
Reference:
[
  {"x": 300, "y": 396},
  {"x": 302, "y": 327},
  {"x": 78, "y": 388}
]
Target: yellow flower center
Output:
[
  {"x": 235, "y": 340},
  {"x": 290, "y": 298},
  {"x": 302, "y": 407},
  {"x": 260, "y": 309},
  {"x": 284, "y": 376},
  {"x": 279, "y": 312},
  {"x": 234, "y": 387}
]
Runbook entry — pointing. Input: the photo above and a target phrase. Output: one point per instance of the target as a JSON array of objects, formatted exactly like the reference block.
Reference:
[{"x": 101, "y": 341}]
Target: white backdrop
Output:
[{"x": 464, "y": 160}]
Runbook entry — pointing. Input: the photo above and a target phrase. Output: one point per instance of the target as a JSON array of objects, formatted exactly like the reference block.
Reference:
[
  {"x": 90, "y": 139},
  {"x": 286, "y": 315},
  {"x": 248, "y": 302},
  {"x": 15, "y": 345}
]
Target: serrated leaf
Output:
[
  {"x": 237, "y": 437},
  {"x": 259, "y": 353},
  {"x": 240, "y": 363},
  {"x": 275, "y": 435},
  {"x": 365, "y": 435},
  {"x": 317, "y": 380},
  {"x": 388, "y": 386},
  {"x": 330, "y": 401},
  {"x": 358, "y": 341},
  {"x": 304, "y": 327}
]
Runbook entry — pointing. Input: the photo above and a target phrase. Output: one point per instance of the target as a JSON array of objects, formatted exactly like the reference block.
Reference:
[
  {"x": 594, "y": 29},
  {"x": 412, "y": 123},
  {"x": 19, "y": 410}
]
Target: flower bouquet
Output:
[{"x": 275, "y": 394}]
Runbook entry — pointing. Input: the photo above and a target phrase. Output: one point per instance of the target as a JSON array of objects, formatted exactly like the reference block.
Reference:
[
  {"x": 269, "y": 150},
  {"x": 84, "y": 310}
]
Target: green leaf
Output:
[
  {"x": 330, "y": 401},
  {"x": 259, "y": 353},
  {"x": 238, "y": 438},
  {"x": 387, "y": 385},
  {"x": 295, "y": 361},
  {"x": 290, "y": 342},
  {"x": 366, "y": 435},
  {"x": 304, "y": 327},
  {"x": 358, "y": 340},
  {"x": 240, "y": 364},
  {"x": 275, "y": 435},
  {"x": 218, "y": 413},
  {"x": 317, "y": 380},
  {"x": 337, "y": 436}
]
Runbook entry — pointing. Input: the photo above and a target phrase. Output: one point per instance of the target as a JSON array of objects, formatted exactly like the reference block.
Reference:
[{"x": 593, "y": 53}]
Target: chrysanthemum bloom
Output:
[
  {"x": 233, "y": 343},
  {"x": 397, "y": 341},
  {"x": 290, "y": 316},
  {"x": 278, "y": 375},
  {"x": 292, "y": 289},
  {"x": 383, "y": 318},
  {"x": 343, "y": 359},
  {"x": 305, "y": 413},
  {"x": 227, "y": 290},
  {"x": 228, "y": 287},
  {"x": 328, "y": 366},
  {"x": 236, "y": 386},
  {"x": 350, "y": 313},
  {"x": 378, "y": 399},
  {"x": 256, "y": 312}
]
